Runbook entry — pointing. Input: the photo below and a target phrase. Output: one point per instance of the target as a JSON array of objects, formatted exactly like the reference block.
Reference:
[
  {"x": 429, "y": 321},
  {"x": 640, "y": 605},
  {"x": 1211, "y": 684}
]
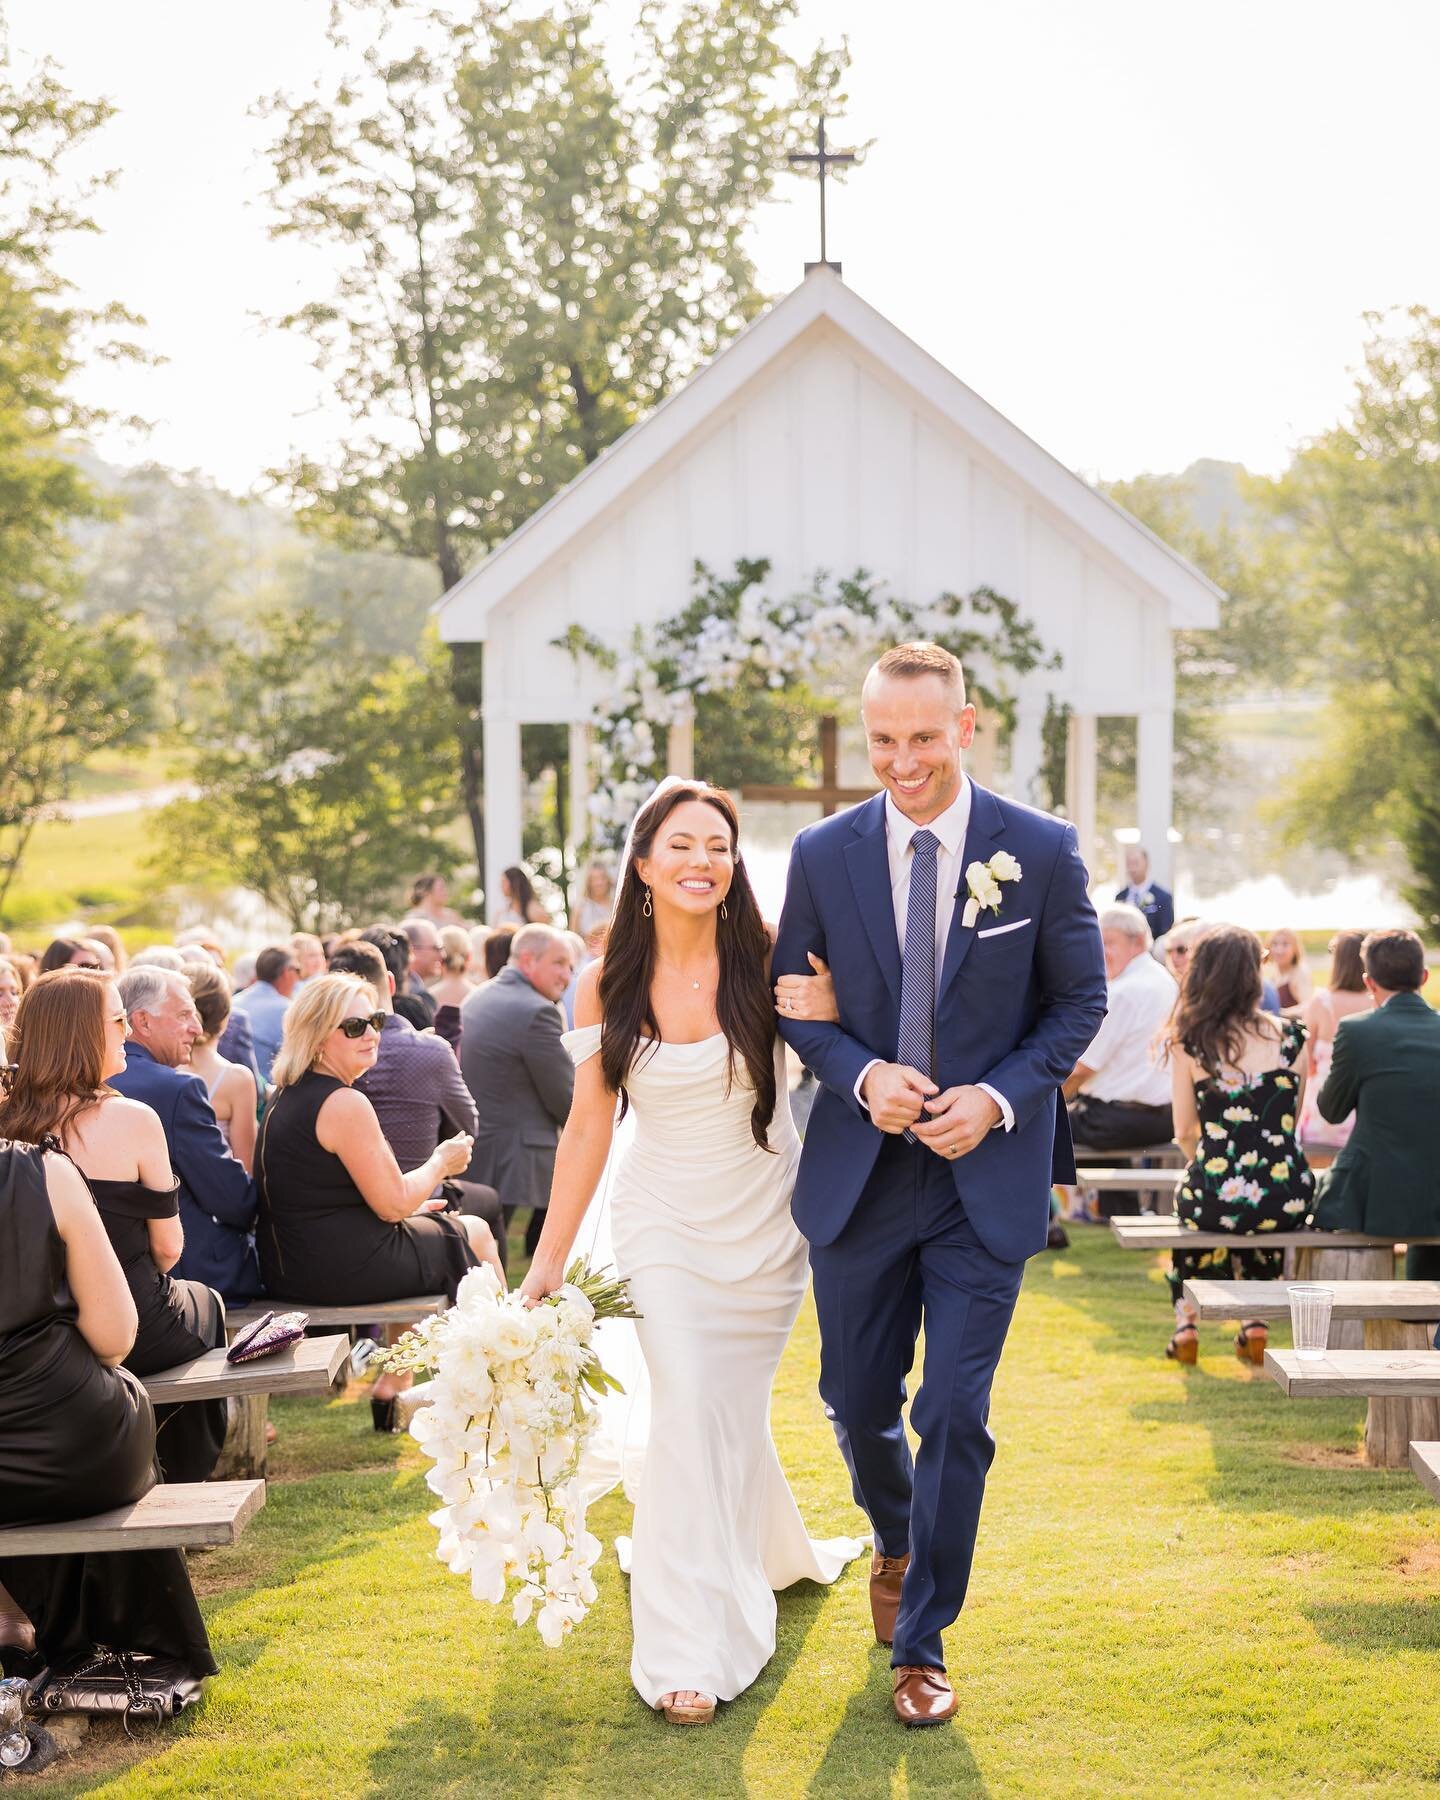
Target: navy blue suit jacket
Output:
[
  {"x": 237, "y": 1045},
  {"x": 1015, "y": 1010},
  {"x": 217, "y": 1197}
]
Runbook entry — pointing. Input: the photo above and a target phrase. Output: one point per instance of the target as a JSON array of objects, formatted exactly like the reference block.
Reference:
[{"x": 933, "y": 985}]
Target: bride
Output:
[{"x": 678, "y": 1023}]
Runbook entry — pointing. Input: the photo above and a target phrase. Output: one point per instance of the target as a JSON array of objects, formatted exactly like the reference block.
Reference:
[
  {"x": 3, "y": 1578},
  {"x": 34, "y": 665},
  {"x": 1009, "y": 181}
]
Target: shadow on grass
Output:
[
  {"x": 871, "y": 1749},
  {"x": 1368, "y": 1626},
  {"x": 433, "y": 1750}
]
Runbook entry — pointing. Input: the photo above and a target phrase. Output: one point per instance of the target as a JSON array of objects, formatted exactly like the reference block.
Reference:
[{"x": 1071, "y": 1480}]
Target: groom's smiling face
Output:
[{"x": 915, "y": 734}]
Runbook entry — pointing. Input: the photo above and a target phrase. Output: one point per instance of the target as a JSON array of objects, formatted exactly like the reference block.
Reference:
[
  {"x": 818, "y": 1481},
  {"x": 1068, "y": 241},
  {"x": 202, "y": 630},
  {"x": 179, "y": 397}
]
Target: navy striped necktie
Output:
[{"x": 917, "y": 963}]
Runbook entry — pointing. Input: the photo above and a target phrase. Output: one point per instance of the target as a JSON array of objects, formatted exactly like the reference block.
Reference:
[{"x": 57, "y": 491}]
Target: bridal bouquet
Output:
[{"x": 506, "y": 1429}]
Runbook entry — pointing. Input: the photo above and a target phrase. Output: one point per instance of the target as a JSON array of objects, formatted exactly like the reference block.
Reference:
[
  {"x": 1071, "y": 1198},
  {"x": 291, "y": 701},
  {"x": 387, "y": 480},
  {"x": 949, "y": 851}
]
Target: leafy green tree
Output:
[
  {"x": 532, "y": 252},
  {"x": 323, "y": 782},
  {"x": 65, "y": 692},
  {"x": 1419, "y": 796},
  {"x": 1362, "y": 506}
]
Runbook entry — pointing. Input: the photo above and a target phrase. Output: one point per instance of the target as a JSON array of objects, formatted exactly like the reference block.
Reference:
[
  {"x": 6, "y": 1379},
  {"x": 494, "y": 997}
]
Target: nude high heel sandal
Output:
[{"x": 701, "y": 1712}]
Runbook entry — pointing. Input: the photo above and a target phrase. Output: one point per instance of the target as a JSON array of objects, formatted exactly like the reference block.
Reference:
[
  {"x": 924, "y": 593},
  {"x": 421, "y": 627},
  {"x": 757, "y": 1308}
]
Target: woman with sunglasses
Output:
[
  {"x": 68, "y": 1043},
  {"x": 338, "y": 1221}
]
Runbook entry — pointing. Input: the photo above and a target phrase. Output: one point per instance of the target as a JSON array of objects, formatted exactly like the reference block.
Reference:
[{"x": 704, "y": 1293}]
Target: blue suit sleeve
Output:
[
  {"x": 202, "y": 1159},
  {"x": 1164, "y": 919},
  {"x": 1341, "y": 1089},
  {"x": 1071, "y": 964},
  {"x": 835, "y": 1056}
]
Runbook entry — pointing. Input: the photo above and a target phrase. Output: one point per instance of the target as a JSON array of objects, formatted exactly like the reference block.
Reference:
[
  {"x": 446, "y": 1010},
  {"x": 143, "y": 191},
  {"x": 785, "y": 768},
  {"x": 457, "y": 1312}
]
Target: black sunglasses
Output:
[{"x": 356, "y": 1028}]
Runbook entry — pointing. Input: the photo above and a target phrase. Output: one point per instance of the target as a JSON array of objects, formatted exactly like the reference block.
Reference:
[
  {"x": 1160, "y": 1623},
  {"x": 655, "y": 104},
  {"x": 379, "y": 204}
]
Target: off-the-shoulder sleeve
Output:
[{"x": 582, "y": 1043}]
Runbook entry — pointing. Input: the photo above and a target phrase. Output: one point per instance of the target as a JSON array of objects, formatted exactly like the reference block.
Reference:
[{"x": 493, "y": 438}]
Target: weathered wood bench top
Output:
[
  {"x": 1353, "y": 1299},
  {"x": 1118, "y": 1156},
  {"x": 363, "y": 1312},
  {"x": 310, "y": 1367},
  {"x": 1425, "y": 1461},
  {"x": 1129, "y": 1179},
  {"x": 1406, "y": 1374},
  {"x": 1143, "y": 1231},
  {"x": 185, "y": 1516}
]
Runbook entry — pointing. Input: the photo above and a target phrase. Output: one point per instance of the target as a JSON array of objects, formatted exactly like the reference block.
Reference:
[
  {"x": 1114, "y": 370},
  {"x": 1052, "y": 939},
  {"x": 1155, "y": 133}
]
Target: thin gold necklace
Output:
[{"x": 666, "y": 963}]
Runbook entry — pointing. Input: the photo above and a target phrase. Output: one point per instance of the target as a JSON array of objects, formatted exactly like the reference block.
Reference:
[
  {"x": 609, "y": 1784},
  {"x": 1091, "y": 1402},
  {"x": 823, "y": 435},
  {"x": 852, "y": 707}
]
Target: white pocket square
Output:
[{"x": 1000, "y": 930}]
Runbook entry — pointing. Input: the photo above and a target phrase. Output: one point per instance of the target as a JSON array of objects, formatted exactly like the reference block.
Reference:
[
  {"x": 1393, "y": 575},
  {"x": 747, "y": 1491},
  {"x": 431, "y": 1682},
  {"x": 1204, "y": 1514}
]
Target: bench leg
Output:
[
  {"x": 1391, "y": 1425},
  {"x": 1345, "y": 1265},
  {"x": 243, "y": 1458}
]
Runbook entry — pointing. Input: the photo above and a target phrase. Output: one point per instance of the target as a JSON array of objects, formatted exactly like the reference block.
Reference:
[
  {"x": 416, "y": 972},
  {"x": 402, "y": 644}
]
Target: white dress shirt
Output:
[
  {"x": 950, "y": 828},
  {"x": 1125, "y": 1054}
]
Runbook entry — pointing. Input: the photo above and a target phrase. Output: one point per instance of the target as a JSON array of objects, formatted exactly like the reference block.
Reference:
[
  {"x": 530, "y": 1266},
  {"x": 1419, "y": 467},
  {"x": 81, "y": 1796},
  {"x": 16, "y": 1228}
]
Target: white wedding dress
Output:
[{"x": 697, "y": 1218}]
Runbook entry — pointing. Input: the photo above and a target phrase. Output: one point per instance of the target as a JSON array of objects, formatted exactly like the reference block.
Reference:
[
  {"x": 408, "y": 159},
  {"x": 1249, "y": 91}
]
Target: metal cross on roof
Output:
[{"x": 824, "y": 160}]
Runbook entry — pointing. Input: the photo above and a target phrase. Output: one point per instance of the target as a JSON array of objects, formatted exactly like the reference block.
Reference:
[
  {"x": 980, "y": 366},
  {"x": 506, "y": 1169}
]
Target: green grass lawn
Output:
[
  {"x": 71, "y": 866},
  {"x": 1185, "y": 1584}
]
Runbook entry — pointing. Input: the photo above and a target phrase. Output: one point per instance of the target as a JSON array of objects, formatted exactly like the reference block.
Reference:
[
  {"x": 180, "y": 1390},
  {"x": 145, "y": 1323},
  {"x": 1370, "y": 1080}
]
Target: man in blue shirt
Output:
[
  {"x": 267, "y": 1000},
  {"x": 217, "y": 1197}
]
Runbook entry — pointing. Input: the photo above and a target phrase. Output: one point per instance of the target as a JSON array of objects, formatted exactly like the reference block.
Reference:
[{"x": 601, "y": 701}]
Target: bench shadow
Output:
[
  {"x": 1371, "y": 1626},
  {"x": 433, "y": 1749}
]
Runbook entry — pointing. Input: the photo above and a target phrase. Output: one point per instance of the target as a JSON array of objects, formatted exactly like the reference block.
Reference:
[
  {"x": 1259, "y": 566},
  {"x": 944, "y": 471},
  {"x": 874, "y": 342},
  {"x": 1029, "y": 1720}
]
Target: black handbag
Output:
[{"x": 141, "y": 1689}]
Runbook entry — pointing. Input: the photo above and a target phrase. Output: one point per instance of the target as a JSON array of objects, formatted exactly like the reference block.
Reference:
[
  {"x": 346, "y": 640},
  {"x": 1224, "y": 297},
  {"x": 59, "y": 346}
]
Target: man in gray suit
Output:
[{"x": 519, "y": 1072}]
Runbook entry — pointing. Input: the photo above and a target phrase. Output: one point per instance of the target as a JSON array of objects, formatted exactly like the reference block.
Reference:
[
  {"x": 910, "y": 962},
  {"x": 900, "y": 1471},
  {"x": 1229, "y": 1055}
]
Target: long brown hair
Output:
[
  {"x": 742, "y": 1000},
  {"x": 1219, "y": 1004},
  {"x": 1347, "y": 971},
  {"x": 57, "y": 1046}
]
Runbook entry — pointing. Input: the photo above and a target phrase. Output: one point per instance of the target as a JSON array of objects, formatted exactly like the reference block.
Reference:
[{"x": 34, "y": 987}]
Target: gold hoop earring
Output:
[
  {"x": 647, "y": 908},
  {"x": 724, "y": 912}
]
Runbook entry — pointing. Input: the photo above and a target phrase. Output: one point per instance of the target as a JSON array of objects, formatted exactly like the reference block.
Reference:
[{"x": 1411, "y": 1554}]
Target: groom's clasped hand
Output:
[{"x": 951, "y": 1123}]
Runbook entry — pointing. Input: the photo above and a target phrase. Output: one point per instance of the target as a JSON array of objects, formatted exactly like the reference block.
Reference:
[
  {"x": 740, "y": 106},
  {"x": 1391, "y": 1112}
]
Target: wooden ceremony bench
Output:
[
  {"x": 1402, "y": 1387},
  {"x": 1425, "y": 1461},
  {"x": 310, "y": 1367},
  {"x": 187, "y": 1516},
  {"x": 1380, "y": 1301},
  {"x": 245, "y": 1444}
]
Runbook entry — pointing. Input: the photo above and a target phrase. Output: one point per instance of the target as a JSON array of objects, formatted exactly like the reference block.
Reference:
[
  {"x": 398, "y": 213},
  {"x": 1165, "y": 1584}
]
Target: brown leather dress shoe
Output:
[
  {"x": 924, "y": 1697},
  {"x": 886, "y": 1574}
]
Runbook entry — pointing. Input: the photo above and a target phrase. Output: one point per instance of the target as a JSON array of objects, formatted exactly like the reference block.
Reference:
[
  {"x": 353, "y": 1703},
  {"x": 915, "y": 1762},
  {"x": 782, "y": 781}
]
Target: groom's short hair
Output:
[{"x": 909, "y": 661}]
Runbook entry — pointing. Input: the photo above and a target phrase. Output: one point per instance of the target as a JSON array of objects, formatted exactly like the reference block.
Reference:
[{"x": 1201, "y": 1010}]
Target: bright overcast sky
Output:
[{"x": 1146, "y": 232}]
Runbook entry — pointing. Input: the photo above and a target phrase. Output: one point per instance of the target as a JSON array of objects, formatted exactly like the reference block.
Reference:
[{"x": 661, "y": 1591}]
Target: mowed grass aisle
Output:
[{"x": 1184, "y": 1583}]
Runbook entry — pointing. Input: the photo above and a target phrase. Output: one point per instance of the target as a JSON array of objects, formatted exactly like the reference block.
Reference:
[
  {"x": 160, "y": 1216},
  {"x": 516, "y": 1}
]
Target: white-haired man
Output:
[{"x": 1119, "y": 1091}]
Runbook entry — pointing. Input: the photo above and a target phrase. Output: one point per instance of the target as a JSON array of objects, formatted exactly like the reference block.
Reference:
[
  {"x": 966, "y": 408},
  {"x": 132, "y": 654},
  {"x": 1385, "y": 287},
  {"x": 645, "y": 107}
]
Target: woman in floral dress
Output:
[{"x": 1237, "y": 1076}]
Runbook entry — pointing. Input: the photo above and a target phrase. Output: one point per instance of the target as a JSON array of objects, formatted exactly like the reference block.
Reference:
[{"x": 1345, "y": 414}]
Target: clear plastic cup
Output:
[{"x": 1310, "y": 1303}]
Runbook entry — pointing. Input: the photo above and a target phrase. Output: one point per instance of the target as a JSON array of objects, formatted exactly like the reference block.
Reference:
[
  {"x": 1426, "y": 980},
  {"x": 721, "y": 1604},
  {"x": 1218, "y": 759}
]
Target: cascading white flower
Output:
[{"x": 505, "y": 1432}]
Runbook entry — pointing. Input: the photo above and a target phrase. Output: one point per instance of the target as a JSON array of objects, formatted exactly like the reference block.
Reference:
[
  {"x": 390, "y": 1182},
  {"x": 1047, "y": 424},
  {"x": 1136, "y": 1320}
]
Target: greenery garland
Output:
[{"x": 735, "y": 630}]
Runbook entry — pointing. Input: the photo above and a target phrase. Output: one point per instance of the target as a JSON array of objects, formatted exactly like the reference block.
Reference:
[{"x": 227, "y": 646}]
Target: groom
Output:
[{"x": 969, "y": 977}]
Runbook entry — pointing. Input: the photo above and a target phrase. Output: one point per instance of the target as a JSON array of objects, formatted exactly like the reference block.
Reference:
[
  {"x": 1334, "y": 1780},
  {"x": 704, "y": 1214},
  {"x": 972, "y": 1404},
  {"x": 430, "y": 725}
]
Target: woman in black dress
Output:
[
  {"x": 1238, "y": 1074},
  {"x": 77, "y": 1435},
  {"x": 69, "y": 1039},
  {"x": 338, "y": 1221}
]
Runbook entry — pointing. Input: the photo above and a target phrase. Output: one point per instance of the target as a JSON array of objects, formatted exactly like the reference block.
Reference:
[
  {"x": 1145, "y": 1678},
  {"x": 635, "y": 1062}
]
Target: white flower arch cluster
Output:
[{"x": 739, "y": 626}]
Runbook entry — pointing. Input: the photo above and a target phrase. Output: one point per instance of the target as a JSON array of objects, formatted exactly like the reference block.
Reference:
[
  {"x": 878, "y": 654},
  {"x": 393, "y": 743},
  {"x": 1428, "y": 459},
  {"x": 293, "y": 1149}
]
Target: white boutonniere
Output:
[{"x": 983, "y": 881}]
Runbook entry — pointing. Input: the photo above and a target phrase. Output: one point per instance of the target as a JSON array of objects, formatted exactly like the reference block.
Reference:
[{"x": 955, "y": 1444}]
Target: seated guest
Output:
[
  {"x": 1145, "y": 895},
  {"x": 107, "y": 935},
  {"x": 11, "y": 989},
  {"x": 339, "y": 1221},
  {"x": 590, "y": 915},
  {"x": 454, "y": 987},
  {"x": 159, "y": 956},
  {"x": 579, "y": 956},
  {"x": 519, "y": 903},
  {"x": 267, "y": 999},
  {"x": 417, "y": 1090},
  {"x": 309, "y": 954},
  {"x": 68, "y": 953},
  {"x": 77, "y": 1433},
  {"x": 412, "y": 1000},
  {"x": 237, "y": 1042},
  {"x": 1287, "y": 971},
  {"x": 68, "y": 1046},
  {"x": 1237, "y": 1074},
  {"x": 427, "y": 958},
  {"x": 201, "y": 937},
  {"x": 234, "y": 1097},
  {"x": 1385, "y": 1068},
  {"x": 498, "y": 946},
  {"x": 1119, "y": 1091},
  {"x": 1345, "y": 994},
  {"x": 519, "y": 1072},
  {"x": 217, "y": 1197},
  {"x": 430, "y": 899}
]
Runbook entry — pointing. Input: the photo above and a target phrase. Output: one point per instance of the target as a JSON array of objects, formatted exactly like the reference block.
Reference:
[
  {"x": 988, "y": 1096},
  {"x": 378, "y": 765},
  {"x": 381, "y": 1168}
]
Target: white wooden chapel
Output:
[{"x": 824, "y": 438}]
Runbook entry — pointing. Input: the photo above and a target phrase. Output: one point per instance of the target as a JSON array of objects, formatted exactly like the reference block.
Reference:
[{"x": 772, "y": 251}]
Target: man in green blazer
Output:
[{"x": 1386, "y": 1069}]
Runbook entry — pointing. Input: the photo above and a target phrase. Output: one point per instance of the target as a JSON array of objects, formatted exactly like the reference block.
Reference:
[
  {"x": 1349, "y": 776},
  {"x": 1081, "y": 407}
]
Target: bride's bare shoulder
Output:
[{"x": 587, "y": 995}]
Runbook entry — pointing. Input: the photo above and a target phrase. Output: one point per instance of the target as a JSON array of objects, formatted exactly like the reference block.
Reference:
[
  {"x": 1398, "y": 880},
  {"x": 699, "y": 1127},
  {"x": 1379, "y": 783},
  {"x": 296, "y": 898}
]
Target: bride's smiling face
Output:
[{"x": 692, "y": 860}]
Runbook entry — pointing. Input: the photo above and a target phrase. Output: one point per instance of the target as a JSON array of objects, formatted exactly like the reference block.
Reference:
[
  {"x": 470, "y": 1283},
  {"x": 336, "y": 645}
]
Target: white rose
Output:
[
  {"x": 1004, "y": 867},
  {"x": 510, "y": 1333},
  {"x": 981, "y": 885}
]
